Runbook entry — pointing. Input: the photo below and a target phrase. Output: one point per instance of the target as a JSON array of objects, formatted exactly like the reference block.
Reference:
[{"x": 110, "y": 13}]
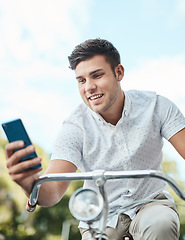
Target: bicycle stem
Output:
[{"x": 100, "y": 182}]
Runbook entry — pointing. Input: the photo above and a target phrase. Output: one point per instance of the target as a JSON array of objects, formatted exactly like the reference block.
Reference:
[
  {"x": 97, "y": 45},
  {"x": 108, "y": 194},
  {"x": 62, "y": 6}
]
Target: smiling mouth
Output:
[{"x": 95, "y": 97}]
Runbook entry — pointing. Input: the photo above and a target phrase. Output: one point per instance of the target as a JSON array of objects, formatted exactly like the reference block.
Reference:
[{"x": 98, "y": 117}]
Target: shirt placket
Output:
[{"x": 123, "y": 155}]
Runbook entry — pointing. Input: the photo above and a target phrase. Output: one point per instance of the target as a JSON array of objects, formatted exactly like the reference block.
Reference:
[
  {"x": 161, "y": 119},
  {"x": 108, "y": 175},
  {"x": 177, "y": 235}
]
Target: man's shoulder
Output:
[
  {"x": 139, "y": 96},
  {"x": 78, "y": 114},
  {"x": 135, "y": 94}
]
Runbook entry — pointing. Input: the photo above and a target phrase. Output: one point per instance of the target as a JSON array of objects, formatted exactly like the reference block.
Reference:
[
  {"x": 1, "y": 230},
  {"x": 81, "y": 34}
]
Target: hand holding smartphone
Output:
[{"x": 16, "y": 131}]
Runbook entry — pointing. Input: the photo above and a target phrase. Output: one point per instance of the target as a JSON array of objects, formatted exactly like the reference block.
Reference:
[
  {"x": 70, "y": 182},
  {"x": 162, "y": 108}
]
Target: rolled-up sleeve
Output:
[{"x": 171, "y": 118}]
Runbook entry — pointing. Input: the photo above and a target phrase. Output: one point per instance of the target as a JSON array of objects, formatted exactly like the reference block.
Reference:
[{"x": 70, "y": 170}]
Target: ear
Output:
[{"x": 119, "y": 70}]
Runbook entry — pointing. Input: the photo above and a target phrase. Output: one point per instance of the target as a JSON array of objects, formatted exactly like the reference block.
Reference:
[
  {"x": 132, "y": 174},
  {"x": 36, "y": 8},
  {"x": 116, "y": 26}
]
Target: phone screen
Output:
[{"x": 15, "y": 131}]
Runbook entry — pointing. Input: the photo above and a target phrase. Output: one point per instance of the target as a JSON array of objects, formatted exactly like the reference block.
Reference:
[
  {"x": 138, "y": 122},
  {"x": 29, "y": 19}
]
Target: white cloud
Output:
[
  {"x": 181, "y": 6},
  {"x": 33, "y": 27},
  {"x": 164, "y": 75},
  {"x": 36, "y": 38},
  {"x": 177, "y": 15}
]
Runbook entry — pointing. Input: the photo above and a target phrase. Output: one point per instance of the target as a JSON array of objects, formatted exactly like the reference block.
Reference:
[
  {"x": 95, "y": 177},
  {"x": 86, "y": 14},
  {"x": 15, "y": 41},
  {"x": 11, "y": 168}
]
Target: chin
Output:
[{"x": 95, "y": 110}]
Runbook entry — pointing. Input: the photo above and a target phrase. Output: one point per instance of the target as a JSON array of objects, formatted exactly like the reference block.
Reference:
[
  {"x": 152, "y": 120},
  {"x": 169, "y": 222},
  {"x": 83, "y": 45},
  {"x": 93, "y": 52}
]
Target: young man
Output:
[{"x": 111, "y": 130}]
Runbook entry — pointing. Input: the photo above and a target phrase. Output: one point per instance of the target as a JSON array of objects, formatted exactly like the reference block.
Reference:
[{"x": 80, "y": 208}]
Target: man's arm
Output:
[
  {"x": 178, "y": 141},
  {"x": 51, "y": 192}
]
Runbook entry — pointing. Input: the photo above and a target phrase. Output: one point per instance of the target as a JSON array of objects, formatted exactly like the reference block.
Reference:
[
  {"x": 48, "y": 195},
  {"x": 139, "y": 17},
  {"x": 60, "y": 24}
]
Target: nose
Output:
[{"x": 89, "y": 85}]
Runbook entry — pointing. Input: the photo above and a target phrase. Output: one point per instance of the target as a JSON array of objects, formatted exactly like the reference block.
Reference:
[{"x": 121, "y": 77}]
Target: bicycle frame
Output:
[{"x": 100, "y": 177}]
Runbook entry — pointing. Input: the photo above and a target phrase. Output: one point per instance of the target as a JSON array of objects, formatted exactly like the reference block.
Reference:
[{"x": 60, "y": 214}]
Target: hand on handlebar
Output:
[{"x": 17, "y": 169}]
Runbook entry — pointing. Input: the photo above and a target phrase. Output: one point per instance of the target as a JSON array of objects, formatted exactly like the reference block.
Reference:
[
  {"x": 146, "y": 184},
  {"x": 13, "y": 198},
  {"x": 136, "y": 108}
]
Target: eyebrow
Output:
[{"x": 91, "y": 73}]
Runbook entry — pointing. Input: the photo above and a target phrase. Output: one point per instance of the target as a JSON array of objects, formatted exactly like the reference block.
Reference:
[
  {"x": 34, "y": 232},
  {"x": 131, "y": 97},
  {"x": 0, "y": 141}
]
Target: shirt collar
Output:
[
  {"x": 127, "y": 105},
  {"x": 126, "y": 110},
  {"x": 97, "y": 116}
]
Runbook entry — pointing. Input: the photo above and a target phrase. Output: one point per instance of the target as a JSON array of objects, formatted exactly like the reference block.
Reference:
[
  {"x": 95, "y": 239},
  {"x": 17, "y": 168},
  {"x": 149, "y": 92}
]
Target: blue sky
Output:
[{"x": 36, "y": 36}]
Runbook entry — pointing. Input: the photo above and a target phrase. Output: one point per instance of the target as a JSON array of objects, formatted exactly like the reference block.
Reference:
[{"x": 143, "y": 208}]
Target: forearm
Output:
[
  {"x": 178, "y": 141},
  {"x": 51, "y": 193},
  {"x": 48, "y": 193}
]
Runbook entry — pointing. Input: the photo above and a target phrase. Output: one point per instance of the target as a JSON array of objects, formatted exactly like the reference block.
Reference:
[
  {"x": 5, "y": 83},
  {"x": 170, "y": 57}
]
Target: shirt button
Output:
[{"x": 127, "y": 192}]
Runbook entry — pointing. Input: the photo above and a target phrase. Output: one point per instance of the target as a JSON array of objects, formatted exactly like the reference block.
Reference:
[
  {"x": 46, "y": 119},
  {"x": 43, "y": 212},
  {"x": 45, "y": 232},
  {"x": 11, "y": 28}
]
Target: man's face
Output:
[{"x": 99, "y": 87}]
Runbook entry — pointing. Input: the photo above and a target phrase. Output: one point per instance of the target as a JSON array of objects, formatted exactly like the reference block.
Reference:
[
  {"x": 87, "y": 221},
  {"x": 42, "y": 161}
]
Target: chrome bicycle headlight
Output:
[{"x": 86, "y": 204}]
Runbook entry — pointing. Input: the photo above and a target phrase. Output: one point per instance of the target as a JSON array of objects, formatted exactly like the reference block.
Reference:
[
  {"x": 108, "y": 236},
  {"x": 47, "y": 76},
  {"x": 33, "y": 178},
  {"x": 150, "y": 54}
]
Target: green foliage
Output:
[{"x": 170, "y": 168}]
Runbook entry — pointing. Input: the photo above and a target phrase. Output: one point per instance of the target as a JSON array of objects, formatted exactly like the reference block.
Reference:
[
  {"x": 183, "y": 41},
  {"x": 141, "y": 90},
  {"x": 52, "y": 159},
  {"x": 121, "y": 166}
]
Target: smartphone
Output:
[{"x": 15, "y": 131}]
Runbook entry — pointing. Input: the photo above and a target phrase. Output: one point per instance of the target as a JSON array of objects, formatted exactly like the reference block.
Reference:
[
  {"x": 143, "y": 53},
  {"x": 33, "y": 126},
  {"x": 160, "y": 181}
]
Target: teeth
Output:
[{"x": 97, "y": 96}]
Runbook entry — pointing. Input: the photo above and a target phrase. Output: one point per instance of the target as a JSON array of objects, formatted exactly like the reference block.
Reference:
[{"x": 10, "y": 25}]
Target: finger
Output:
[
  {"x": 18, "y": 155},
  {"x": 24, "y": 165},
  {"x": 23, "y": 175},
  {"x": 11, "y": 147}
]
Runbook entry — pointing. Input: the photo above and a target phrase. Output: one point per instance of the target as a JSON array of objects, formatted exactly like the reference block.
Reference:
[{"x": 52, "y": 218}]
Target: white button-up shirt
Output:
[{"x": 135, "y": 143}]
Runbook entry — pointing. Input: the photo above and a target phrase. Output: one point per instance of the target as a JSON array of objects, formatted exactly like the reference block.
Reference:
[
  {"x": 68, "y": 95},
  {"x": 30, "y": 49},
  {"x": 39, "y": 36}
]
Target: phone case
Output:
[{"x": 15, "y": 131}]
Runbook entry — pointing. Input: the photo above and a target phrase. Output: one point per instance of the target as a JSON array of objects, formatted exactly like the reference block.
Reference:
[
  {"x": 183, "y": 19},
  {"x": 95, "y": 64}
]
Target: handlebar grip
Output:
[{"x": 29, "y": 207}]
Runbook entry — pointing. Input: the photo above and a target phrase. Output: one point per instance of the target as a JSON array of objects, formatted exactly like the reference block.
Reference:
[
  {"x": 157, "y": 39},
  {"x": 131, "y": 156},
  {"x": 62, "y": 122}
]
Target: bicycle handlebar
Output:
[{"x": 98, "y": 175}]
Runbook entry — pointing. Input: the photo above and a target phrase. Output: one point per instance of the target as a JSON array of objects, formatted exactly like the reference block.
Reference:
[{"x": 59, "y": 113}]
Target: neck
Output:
[{"x": 115, "y": 114}]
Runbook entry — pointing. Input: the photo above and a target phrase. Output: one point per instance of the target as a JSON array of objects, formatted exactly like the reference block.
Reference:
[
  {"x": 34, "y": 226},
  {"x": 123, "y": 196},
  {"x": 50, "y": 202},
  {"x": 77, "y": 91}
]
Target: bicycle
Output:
[{"x": 95, "y": 204}]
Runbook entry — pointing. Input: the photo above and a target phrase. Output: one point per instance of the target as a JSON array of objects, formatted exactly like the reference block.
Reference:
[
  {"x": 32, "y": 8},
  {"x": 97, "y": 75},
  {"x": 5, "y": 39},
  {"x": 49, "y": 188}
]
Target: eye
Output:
[
  {"x": 81, "y": 80},
  {"x": 98, "y": 75}
]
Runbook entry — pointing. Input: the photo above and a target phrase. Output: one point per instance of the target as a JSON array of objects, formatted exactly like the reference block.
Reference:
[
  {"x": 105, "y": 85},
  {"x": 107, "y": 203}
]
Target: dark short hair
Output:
[{"x": 92, "y": 47}]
